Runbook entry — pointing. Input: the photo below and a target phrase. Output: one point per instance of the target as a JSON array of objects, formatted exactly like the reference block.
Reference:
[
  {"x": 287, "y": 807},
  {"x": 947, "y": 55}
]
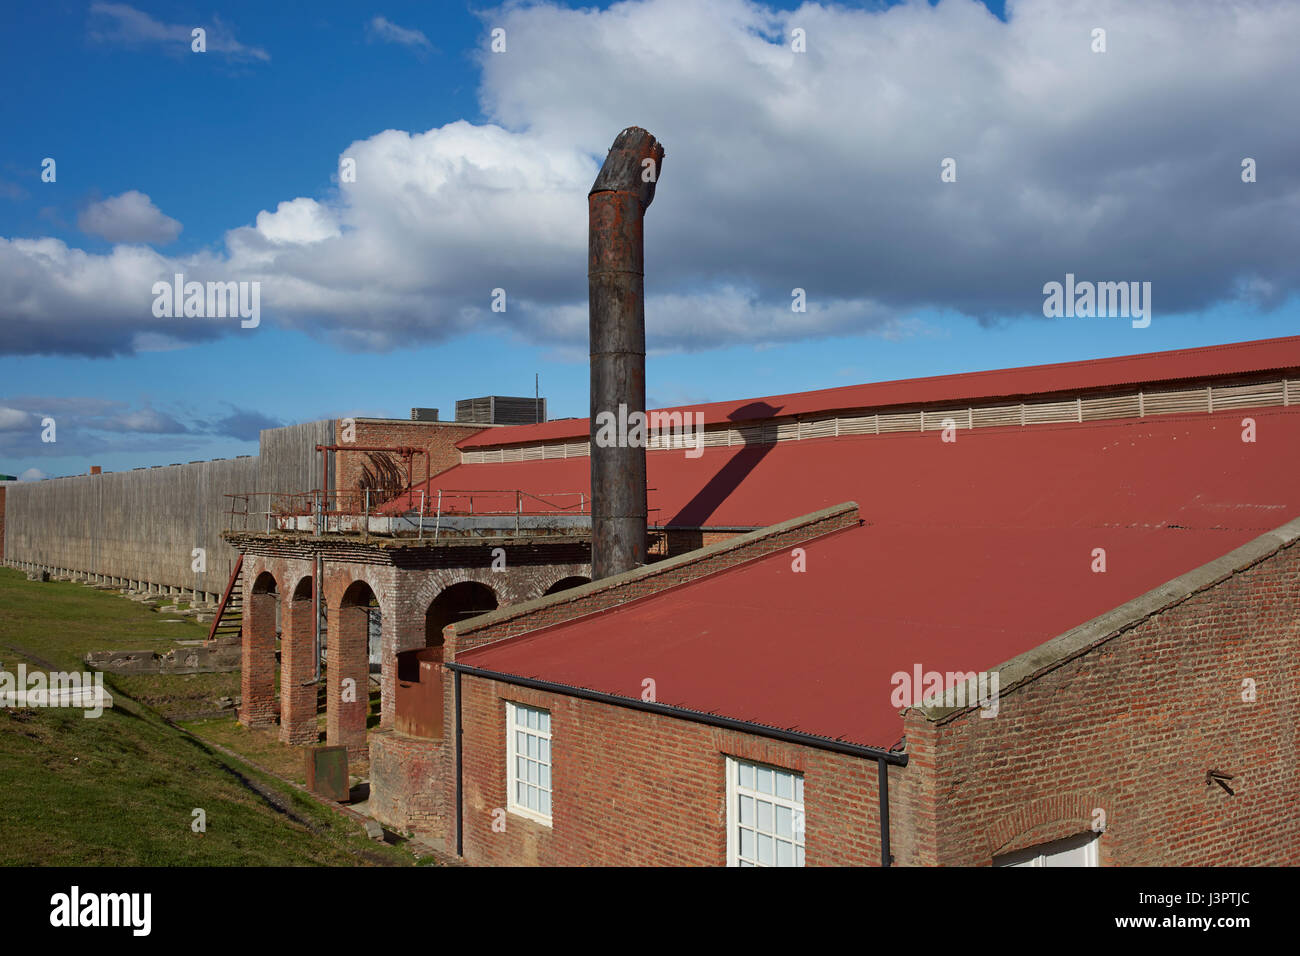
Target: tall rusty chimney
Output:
[{"x": 624, "y": 189}]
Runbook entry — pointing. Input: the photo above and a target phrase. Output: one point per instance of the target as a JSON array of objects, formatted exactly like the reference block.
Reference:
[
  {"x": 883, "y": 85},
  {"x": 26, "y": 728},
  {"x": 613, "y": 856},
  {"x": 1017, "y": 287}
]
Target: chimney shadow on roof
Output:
[{"x": 720, "y": 487}]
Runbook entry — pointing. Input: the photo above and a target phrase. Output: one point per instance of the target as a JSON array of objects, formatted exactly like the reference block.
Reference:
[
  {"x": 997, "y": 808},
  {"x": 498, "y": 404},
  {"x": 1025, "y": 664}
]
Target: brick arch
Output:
[
  {"x": 347, "y": 701},
  {"x": 454, "y": 601},
  {"x": 1045, "y": 820},
  {"x": 257, "y": 657},
  {"x": 264, "y": 582},
  {"x": 568, "y": 581}
]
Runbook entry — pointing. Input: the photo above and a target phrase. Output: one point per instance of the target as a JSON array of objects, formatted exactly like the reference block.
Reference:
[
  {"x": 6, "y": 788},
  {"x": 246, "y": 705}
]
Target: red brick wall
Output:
[
  {"x": 1131, "y": 727},
  {"x": 632, "y": 788},
  {"x": 412, "y": 784},
  {"x": 438, "y": 438},
  {"x": 257, "y": 666}
]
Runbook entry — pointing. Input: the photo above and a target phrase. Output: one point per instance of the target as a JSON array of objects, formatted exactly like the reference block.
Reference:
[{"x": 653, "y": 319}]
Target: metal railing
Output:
[{"x": 411, "y": 513}]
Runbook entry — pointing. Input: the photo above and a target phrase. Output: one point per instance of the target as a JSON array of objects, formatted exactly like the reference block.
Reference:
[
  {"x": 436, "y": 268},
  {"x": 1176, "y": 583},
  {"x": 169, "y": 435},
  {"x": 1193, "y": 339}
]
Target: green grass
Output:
[
  {"x": 60, "y": 621},
  {"x": 120, "y": 789}
]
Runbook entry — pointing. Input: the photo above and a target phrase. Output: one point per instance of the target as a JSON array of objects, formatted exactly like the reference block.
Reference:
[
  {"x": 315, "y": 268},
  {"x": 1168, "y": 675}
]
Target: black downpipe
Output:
[
  {"x": 886, "y": 858},
  {"x": 460, "y": 778}
]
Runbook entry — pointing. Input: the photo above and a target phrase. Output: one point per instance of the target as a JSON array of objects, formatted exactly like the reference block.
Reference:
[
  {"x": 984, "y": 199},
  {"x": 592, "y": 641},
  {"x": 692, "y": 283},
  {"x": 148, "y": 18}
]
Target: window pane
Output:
[
  {"x": 765, "y": 816},
  {"x": 545, "y": 805},
  {"x": 747, "y": 776},
  {"x": 532, "y": 720},
  {"x": 747, "y": 843},
  {"x": 798, "y": 856},
  {"x": 798, "y": 789},
  {"x": 764, "y": 776},
  {"x": 532, "y": 746},
  {"x": 544, "y": 776},
  {"x": 785, "y": 822},
  {"x": 784, "y": 786},
  {"x": 544, "y": 722},
  {"x": 746, "y": 810},
  {"x": 521, "y": 794},
  {"x": 544, "y": 750},
  {"x": 784, "y": 853},
  {"x": 521, "y": 742},
  {"x": 765, "y": 855},
  {"x": 521, "y": 768}
]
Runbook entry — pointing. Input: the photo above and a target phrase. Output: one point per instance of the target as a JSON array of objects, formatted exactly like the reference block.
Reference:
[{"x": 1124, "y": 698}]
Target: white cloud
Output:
[
  {"x": 384, "y": 29},
  {"x": 32, "y": 474},
  {"x": 130, "y": 217},
  {"x": 13, "y": 419},
  {"x": 816, "y": 170},
  {"x": 119, "y": 24}
]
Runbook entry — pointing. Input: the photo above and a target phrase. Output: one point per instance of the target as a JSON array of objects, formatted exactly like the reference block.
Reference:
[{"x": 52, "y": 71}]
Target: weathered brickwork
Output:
[
  {"x": 437, "y": 438},
  {"x": 257, "y": 667},
  {"x": 633, "y": 788},
  {"x": 1128, "y": 725},
  {"x": 297, "y": 667},
  {"x": 1131, "y": 728},
  {"x": 408, "y": 784},
  {"x": 404, "y": 582}
]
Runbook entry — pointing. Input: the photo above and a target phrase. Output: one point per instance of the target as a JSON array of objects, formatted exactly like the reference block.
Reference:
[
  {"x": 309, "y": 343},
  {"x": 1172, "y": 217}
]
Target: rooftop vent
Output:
[{"x": 501, "y": 410}]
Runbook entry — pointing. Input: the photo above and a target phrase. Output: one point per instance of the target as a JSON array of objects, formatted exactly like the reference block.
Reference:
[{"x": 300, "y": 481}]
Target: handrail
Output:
[{"x": 225, "y": 597}]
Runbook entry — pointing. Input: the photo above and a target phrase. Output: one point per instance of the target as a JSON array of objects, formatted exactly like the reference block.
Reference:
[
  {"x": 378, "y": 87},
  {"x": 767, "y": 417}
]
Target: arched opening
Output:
[
  {"x": 257, "y": 670},
  {"x": 456, "y": 603},
  {"x": 349, "y": 701},
  {"x": 565, "y": 583}
]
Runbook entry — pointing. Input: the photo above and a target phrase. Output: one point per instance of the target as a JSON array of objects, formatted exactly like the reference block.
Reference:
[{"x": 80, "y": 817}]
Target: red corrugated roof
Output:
[
  {"x": 974, "y": 552},
  {"x": 1176, "y": 365}
]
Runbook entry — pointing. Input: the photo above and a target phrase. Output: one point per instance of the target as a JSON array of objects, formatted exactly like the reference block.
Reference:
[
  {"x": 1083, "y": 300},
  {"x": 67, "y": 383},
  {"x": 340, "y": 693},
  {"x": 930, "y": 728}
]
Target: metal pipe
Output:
[
  {"x": 317, "y": 575},
  {"x": 886, "y": 858},
  {"x": 616, "y": 205},
  {"x": 460, "y": 771}
]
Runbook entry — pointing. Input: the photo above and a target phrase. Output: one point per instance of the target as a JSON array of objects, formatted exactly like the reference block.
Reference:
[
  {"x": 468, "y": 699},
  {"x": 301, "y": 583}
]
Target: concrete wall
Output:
[{"x": 143, "y": 525}]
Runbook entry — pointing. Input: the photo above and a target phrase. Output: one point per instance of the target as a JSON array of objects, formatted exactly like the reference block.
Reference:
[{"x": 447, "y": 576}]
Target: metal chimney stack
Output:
[{"x": 624, "y": 189}]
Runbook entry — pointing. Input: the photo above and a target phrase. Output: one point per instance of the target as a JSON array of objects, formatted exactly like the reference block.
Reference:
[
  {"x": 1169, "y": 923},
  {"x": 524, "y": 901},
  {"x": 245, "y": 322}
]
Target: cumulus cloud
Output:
[
  {"x": 130, "y": 217},
  {"x": 817, "y": 170},
  {"x": 119, "y": 24},
  {"x": 381, "y": 28},
  {"x": 32, "y": 474}
]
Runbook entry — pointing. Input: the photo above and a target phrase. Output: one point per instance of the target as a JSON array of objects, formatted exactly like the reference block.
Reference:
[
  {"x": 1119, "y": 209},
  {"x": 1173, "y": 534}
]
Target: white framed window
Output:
[
  {"x": 528, "y": 762},
  {"x": 1078, "y": 850},
  {"x": 765, "y": 821}
]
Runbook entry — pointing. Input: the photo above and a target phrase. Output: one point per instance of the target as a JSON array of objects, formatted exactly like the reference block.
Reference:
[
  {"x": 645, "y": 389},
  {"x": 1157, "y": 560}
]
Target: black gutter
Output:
[
  {"x": 886, "y": 858},
  {"x": 681, "y": 713},
  {"x": 460, "y": 800}
]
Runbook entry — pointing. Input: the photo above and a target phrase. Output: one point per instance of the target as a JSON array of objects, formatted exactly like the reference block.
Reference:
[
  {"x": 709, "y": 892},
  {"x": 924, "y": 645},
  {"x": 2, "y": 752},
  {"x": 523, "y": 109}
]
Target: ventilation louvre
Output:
[{"x": 1135, "y": 404}]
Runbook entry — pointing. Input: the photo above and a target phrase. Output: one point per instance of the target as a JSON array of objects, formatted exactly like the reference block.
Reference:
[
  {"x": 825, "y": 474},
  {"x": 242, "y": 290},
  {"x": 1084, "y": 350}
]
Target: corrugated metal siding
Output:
[{"x": 1126, "y": 405}]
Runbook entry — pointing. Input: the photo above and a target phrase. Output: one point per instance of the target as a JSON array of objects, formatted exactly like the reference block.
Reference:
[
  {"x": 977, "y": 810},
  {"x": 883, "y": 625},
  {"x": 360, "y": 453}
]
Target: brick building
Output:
[{"x": 1043, "y": 616}]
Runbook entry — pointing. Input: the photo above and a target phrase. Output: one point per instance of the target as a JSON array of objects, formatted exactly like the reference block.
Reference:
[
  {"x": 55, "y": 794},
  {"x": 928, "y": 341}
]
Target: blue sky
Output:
[{"x": 1119, "y": 165}]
